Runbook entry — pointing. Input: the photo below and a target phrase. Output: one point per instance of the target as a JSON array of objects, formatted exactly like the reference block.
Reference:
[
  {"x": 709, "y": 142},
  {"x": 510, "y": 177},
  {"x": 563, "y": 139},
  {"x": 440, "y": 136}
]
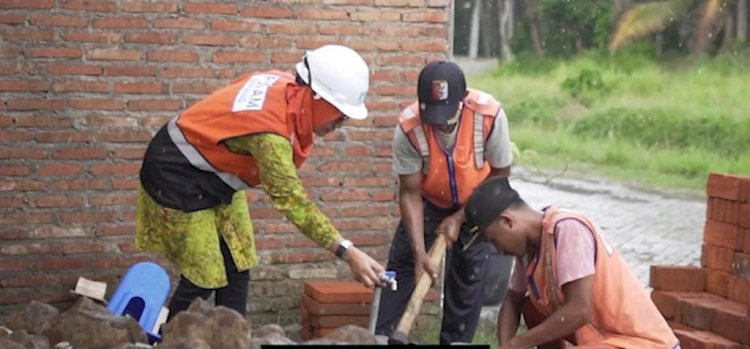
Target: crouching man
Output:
[{"x": 569, "y": 282}]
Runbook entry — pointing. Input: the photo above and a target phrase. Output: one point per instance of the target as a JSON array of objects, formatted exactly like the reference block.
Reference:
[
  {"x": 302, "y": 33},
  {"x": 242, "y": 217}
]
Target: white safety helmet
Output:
[{"x": 340, "y": 76}]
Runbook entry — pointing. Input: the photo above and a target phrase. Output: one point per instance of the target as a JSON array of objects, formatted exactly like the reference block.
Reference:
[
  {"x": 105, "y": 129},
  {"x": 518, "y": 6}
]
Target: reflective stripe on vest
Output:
[
  {"x": 449, "y": 185},
  {"x": 479, "y": 140},
  {"x": 479, "y": 135},
  {"x": 424, "y": 148},
  {"x": 197, "y": 160}
]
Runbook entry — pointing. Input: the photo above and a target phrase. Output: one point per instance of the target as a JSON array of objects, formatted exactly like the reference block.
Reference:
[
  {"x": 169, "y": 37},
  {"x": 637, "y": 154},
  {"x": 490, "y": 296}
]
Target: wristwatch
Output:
[{"x": 343, "y": 247}]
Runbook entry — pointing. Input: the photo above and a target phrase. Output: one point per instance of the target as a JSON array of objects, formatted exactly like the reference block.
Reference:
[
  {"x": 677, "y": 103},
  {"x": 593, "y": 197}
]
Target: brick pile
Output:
[
  {"x": 327, "y": 305},
  {"x": 709, "y": 306}
]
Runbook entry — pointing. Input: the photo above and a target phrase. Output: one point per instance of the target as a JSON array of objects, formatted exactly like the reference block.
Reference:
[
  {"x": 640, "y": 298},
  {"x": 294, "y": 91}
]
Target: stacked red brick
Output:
[
  {"x": 709, "y": 307},
  {"x": 327, "y": 305}
]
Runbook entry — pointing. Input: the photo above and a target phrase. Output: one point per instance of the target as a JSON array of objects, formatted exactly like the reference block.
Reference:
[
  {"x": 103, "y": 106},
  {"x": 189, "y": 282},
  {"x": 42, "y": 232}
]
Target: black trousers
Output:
[
  {"x": 233, "y": 296},
  {"x": 463, "y": 287}
]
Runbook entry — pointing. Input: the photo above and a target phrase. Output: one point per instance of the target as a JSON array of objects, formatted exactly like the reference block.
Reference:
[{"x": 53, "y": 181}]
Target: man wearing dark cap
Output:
[
  {"x": 569, "y": 283},
  {"x": 446, "y": 144}
]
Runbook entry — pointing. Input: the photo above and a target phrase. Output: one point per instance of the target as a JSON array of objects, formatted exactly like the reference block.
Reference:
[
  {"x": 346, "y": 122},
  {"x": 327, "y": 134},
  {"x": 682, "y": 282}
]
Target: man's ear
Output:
[{"x": 507, "y": 219}]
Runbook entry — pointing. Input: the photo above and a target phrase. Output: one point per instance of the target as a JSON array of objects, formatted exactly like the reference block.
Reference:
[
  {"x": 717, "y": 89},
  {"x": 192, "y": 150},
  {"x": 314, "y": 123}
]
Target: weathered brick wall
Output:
[{"x": 85, "y": 83}]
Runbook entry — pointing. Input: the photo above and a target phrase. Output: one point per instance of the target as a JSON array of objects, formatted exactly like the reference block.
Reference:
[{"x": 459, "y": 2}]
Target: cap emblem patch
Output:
[{"x": 439, "y": 90}]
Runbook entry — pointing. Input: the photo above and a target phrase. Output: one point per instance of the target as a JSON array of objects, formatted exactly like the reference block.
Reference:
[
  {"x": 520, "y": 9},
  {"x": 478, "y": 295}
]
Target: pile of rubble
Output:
[{"x": 89, "y": 325}]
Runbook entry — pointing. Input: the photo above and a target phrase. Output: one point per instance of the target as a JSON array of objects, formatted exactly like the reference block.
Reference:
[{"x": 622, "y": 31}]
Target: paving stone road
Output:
[{"x": 648, "y": 228}]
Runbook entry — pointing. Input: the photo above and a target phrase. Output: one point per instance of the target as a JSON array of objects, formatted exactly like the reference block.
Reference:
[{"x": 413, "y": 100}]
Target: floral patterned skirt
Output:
[{"x": 190, "y": 240}]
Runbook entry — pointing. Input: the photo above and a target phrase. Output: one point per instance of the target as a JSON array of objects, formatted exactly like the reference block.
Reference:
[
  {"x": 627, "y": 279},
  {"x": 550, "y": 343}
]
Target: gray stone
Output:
[
  {"x": 230, "y": 329},
  {"x": 186, "y": 325},
  {"x": 201, "y": 306},
  {"x": 293, "y": 332},
  {"x": 6, "y": 343},
  {"x": 91, "y": 326},
  {"x": 135, "y": 346},
  {"x": 34, "y": 318},
  {"x": 269, "y": 330},
  {"x": 29, "y": 341},
  {"x": 189, "y": 343},
  {"x": 382, "y": 339},
  {"x": 220, "y": 327},
  {"x": 271, "y": 339},
  {"x": 4, "y": 332},
  {"x": 323, "y": 341},
  {"x": 353, "y": 335}
]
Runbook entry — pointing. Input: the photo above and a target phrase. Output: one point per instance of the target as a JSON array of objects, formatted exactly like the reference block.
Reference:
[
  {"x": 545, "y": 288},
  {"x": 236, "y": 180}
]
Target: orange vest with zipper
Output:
[
  {"x": 452, "y": 174},
  {"x": 624, "y": 315},
  {"x": 261, "y": 108}
]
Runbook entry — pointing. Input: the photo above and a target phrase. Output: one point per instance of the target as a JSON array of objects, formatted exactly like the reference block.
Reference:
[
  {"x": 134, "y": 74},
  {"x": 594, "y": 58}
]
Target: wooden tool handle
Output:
[{"x": 422, "y": 287}]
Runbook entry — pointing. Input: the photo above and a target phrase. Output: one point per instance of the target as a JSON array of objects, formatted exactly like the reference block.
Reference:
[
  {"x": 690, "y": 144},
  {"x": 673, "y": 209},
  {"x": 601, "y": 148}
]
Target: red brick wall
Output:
[{"x": 84, "y": 84}]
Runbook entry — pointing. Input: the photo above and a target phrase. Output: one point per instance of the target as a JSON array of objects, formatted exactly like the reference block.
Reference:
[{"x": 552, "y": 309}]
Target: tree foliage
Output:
[
  {"x": 566, "y": 26},
  {"x": 562, "y": 28}
]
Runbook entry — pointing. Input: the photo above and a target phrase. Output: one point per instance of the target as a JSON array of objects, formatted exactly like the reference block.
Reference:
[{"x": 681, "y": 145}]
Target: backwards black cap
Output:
[{"x": 485, "y": 205}]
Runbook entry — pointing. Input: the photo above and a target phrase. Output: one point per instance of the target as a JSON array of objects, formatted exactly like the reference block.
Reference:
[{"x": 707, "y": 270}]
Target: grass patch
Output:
[
  {"x": 554, "y": 150},
  {"x": 629, "y": 117}
]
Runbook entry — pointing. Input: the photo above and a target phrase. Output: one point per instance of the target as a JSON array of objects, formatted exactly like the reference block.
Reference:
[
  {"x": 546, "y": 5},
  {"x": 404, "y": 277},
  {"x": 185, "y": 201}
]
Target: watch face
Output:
[{"x": 343, "y": 247}]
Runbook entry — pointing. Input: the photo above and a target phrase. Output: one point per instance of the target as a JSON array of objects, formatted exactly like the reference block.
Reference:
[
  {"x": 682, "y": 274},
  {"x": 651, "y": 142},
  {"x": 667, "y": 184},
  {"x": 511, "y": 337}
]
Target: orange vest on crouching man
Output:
[
  {"x": 624, "y": 315},
  {"x": 450, "y": 175}
]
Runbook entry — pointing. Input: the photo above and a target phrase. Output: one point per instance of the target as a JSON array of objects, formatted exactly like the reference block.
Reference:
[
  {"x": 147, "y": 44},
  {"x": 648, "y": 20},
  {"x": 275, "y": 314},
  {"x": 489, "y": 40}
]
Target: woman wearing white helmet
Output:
[{"x": 256, "y": 132}]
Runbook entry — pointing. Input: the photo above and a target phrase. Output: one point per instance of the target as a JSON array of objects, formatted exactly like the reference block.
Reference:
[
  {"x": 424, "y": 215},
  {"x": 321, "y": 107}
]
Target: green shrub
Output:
[
  {"x": 668, "y": 129},
  {"x": 587, "y": 86},
  {"x": 616, "y": 155},
  {"x": 688, "y": 165},
  {"x": 539, "y": 111},
  {"x": 668, "y": 122}
]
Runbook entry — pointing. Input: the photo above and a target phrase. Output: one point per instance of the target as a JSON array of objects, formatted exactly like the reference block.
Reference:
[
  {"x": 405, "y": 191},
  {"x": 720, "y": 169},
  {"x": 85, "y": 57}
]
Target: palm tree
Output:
[{"x": 647, "y": 18}]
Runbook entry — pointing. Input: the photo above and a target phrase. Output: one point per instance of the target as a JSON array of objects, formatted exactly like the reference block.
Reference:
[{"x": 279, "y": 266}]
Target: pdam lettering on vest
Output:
[
  {"x": 253, "y": 94},
  {"x": 186, "y": 165}
]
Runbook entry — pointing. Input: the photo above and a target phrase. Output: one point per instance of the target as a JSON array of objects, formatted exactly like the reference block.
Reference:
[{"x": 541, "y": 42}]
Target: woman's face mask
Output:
[
  {"x": 326, "y": 118},
  {"x": 330, "y": 126}
]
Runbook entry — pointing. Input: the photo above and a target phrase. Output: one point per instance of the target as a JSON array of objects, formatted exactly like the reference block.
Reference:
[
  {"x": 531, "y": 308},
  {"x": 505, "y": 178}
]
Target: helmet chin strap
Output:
[
  {"x": 309, "y": 73},
  {"x": 316, "y": 96}
]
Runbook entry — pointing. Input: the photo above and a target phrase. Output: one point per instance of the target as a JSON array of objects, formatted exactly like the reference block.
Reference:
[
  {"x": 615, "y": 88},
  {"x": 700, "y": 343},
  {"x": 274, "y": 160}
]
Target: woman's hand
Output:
[{"x": 365, "y": 269}]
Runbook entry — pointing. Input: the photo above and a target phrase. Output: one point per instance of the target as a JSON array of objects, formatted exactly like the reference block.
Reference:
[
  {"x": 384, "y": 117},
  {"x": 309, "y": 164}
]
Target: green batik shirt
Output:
[{"x": 190, "y": 240}]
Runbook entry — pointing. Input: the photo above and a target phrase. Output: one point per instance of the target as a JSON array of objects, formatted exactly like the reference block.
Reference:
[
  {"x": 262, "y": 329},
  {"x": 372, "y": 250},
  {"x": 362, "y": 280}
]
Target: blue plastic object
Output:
[
  {"x": 389, "y": 277},
  {"x": 141, "y": 294}
]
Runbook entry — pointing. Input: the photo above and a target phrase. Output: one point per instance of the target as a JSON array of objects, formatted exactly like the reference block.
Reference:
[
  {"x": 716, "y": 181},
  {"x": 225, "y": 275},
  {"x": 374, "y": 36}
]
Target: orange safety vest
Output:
[
  {"x": 265, "y": 102},
  {"x": 624, "y": 315},
  {"x": 450, "y": 176}
]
